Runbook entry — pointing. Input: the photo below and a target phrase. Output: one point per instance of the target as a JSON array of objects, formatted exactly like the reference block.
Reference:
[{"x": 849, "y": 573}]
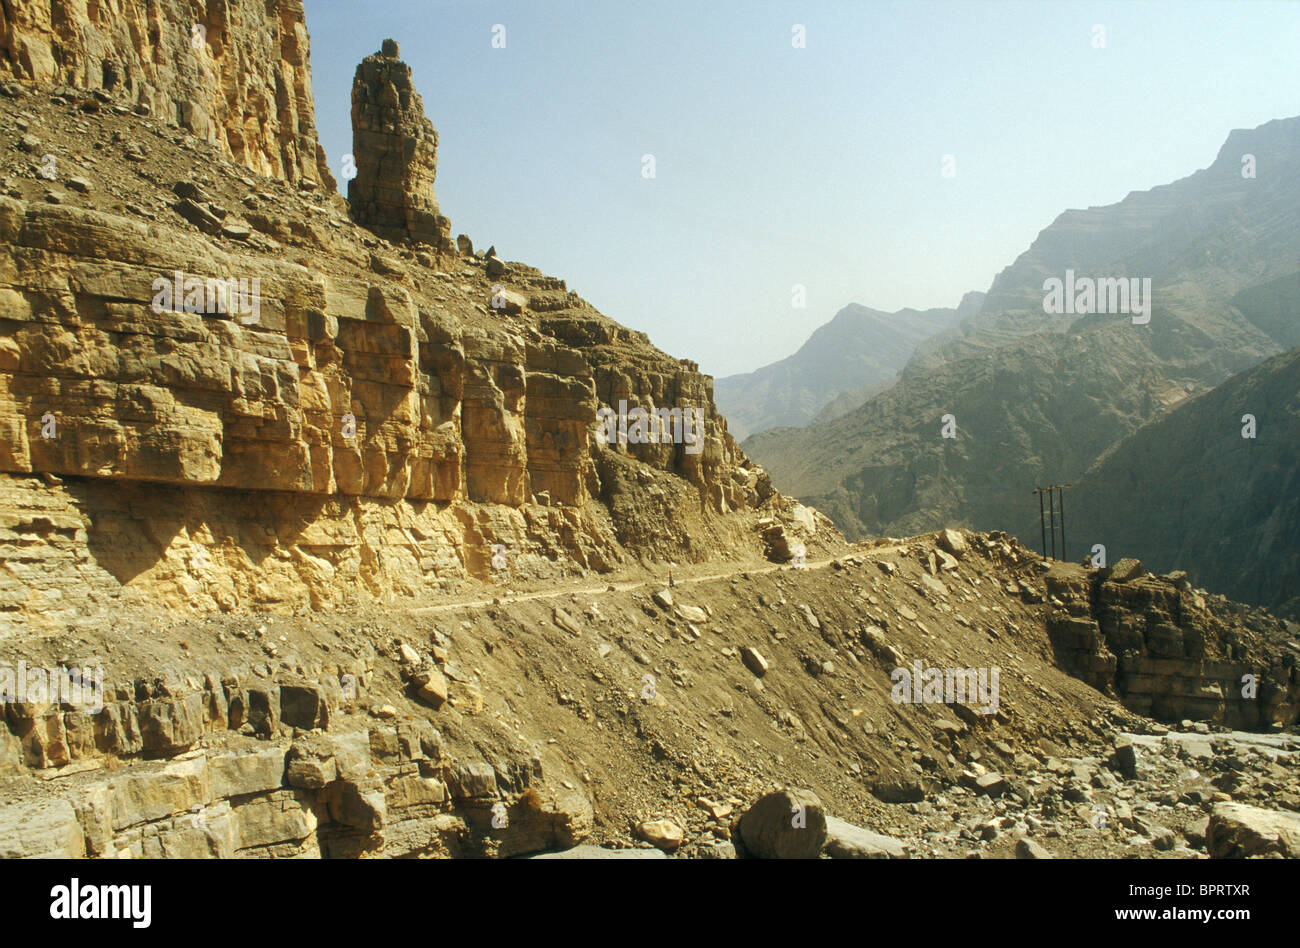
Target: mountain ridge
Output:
[{"x": 865, "y": 349}]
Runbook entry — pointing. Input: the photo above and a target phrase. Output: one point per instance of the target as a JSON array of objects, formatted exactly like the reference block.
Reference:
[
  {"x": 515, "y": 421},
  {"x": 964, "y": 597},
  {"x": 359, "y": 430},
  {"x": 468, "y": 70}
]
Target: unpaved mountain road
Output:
[{"x": 638, "y": 584}]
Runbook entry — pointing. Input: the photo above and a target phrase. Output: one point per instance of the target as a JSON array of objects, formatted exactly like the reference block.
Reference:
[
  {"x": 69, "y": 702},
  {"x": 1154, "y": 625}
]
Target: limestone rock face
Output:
[
  {"x": 217, "y": 398},
  {"x": 236, "y": 75},
  {"x": 1168, "y": 650},
  {"x": 396, "y": 152}
]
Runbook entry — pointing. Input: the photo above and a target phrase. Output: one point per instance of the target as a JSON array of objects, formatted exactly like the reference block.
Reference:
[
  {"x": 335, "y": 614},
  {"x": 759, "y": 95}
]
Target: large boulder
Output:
[
  {"x": 846, "y": 841},
  {"x": 952, "y": 541},
  {"x": 1237, "y": 831},
  {"x": 785, "y": 824},
  {"x": 1125, "y": 570}
]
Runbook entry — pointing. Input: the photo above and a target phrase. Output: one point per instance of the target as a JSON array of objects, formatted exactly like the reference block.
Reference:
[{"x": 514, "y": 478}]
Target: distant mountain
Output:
[
  {"x": 855, "y": 354},
  {"x": 1206, "y": 241},
  {"x": 1039, "y": 398},
  {"x": 1188, "y": 491}
]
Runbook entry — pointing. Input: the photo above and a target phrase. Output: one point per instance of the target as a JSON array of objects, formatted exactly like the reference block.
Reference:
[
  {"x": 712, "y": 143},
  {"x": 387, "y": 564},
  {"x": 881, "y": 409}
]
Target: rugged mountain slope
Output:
[
  {"x": 1202, "y": 240},
  {"x": 1037, "y": 398},
  {"x": 365, "y": 419},
  {"x": 1189, "y": 491},
  {"x": 565, "y": 715},
  {"x": 857, "y": 351}
]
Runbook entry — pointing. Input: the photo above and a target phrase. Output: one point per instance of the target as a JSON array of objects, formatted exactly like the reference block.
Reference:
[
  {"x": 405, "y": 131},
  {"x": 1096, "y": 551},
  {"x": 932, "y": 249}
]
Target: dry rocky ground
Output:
[{"x": 612, "y": 711}]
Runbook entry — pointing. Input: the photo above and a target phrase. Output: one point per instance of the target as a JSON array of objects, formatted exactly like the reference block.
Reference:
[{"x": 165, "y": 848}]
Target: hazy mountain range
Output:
[
  {"x": 1040, "y": 398},
  {"x": 860, "y": 351}
]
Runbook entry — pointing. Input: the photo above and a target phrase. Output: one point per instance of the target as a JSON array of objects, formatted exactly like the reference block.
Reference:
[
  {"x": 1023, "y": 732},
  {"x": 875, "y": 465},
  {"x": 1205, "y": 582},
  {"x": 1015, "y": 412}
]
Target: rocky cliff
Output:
[
  {"x": 235, "y": 74},
  {"x": 220, "y": 392}
]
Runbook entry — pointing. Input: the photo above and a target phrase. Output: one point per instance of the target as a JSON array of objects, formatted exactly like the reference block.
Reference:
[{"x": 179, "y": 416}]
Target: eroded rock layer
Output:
[
  {"x": 228, "y": 395},
  {"x": 1171, "y": 651},
  {"x": 396, "y": 151},
  {"x": 233, "y": 73}
]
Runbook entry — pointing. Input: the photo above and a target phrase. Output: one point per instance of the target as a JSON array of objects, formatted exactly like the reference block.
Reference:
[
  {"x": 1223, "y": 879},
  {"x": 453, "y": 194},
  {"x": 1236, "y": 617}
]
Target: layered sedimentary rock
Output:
[
  {"x": 1170, "y": 651},
  {"x": 285, "y": 770},
  {"x": 216, "y": 393},
  {"x": 234, "y": 73},
  {"x": 396, "y": 152}
]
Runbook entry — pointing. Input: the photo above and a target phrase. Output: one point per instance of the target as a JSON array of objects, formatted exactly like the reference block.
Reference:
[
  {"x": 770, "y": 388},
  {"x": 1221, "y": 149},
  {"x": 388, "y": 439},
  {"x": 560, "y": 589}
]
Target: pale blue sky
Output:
[{"x": 819, "y": 166}]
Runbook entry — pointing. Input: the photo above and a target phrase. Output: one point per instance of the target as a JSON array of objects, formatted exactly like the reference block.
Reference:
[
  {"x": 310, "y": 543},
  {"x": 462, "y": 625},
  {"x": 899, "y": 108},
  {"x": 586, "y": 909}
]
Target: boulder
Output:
[
  {"x": 846, "y": 841},
  {"x": 1236, "y": 831},
  {"x": 693, "y": 614},
  {"x": 953, "y": 542},
  {"x": 432, "y": 688},
  {"x": 662, "y": 834},
  {"x": 1028, "y": 849},
  {"x": 754, "y": 661},
  {"x": 1125, "y": 570},
  {"x": 785, "y": 824},
  {"x": 1123, "y": 760}
]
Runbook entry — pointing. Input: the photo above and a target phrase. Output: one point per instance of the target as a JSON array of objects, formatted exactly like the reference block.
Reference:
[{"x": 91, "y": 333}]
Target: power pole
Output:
[
  {"x": 1051, "y": 517},
  {"x": 1060, "y": 492},
  {"x": 1042, "y": 519},
  {"x": 1047, "y": 518}
]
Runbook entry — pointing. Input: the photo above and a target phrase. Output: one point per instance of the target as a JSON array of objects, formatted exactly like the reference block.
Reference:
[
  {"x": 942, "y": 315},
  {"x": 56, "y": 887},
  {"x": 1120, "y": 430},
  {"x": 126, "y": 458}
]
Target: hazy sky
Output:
[{"x": 820, "y": 166}]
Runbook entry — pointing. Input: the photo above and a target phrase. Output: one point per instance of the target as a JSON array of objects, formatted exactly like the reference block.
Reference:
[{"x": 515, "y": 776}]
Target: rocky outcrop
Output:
[
  {"x": 215, "y": 395},
  {"x": 1170, "y": 651},
  {"x": 396, "y": 152},
  {"x": 232, "y": 72},
  {"x": 386, "y": 790},
  {"x": 1237, "y": 831}
]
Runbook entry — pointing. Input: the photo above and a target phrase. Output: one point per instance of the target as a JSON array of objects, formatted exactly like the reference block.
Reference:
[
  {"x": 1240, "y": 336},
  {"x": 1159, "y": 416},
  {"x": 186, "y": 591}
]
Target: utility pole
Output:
[
  {"x": 1042, "y": 521},
  {"x": 1051, "y": 517},
  {"x": 1047, "y": 518},
  {"x": 1060, "y": 493}
]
